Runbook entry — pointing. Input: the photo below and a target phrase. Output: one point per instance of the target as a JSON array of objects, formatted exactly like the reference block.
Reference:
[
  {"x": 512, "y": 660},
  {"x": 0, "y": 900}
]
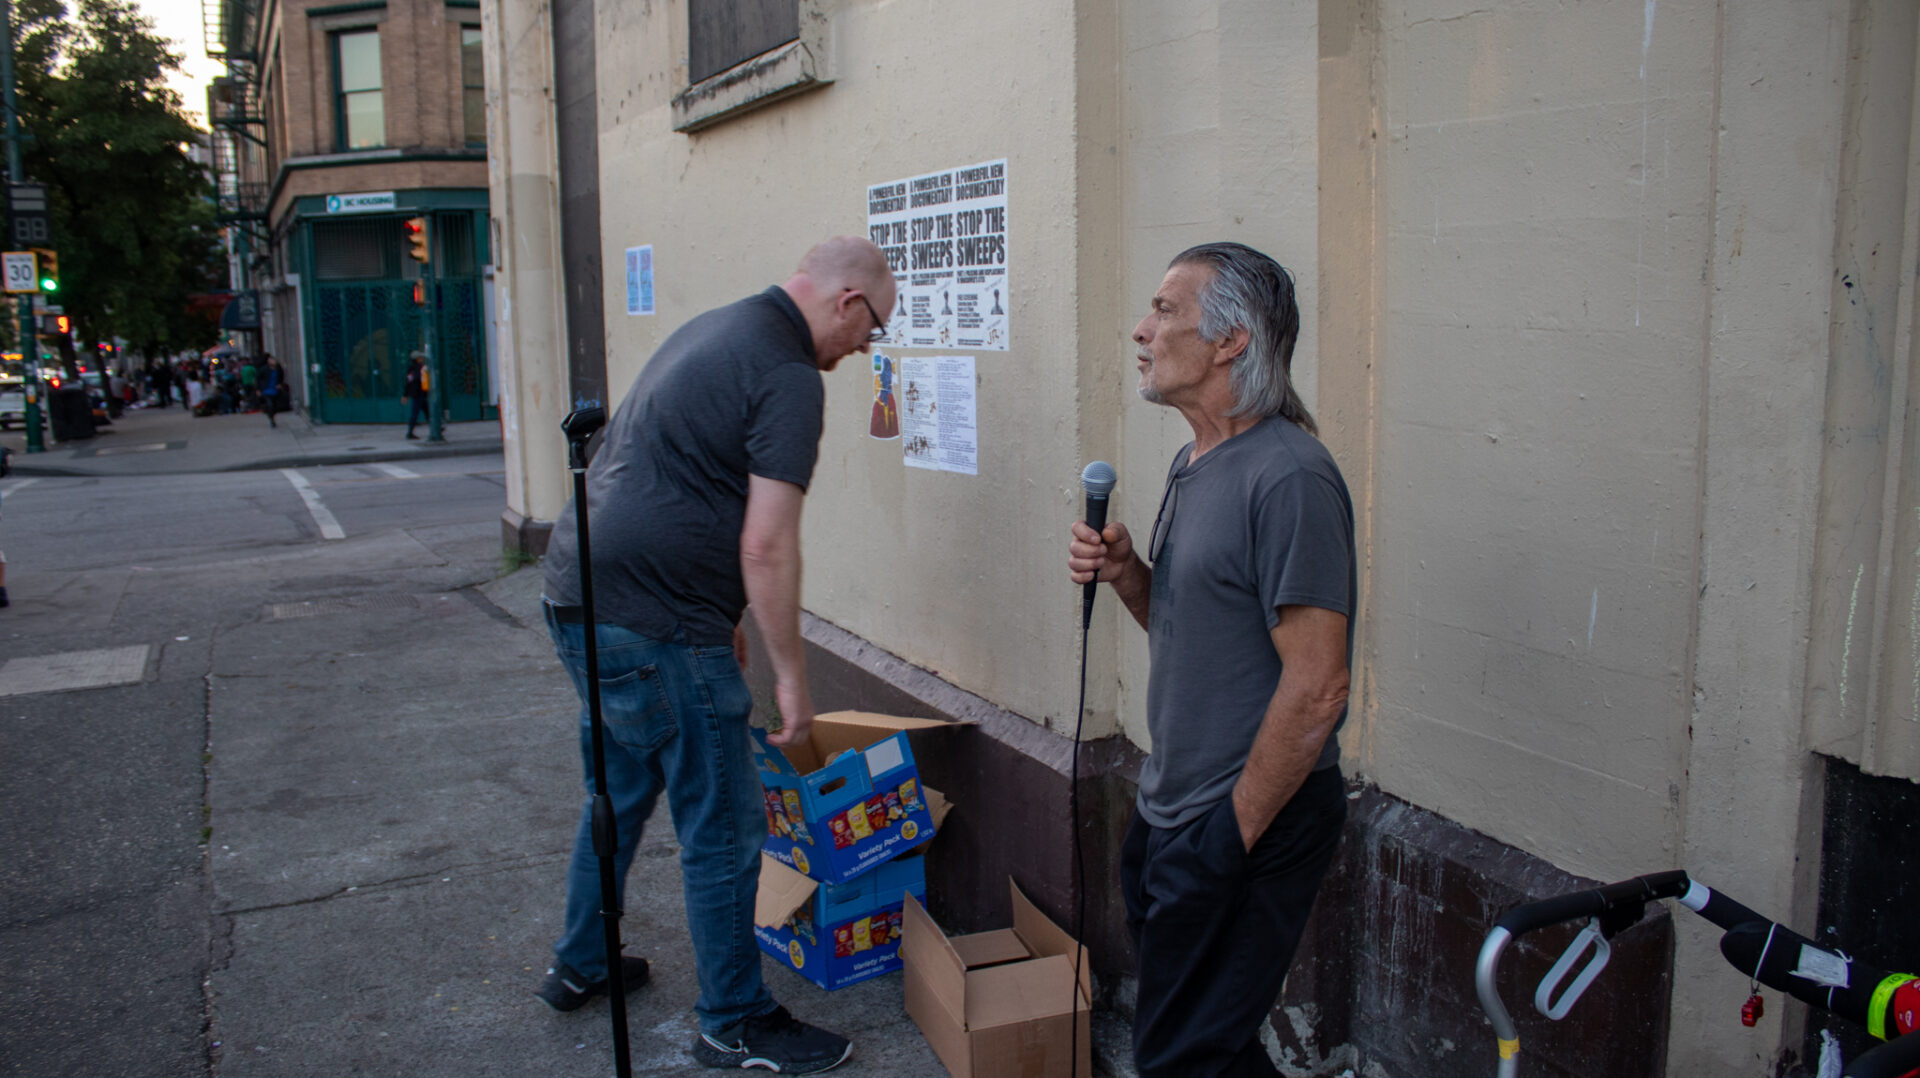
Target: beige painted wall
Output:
[
  {"x": 961, "y": 574},
  {"x": 1583, "y": 288},
  {"x": 1219, "y": 108}
]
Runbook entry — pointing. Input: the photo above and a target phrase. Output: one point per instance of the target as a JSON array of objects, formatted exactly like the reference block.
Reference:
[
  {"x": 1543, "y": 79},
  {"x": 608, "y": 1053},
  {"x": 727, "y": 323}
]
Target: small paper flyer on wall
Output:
[
  {"x": 640, "y": 279},
  {"x": 937, "y": 424},
  {"x": 945, "y": 237}
]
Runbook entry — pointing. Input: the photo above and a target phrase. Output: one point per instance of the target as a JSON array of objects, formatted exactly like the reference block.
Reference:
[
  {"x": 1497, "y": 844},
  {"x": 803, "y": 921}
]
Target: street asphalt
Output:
[{"x": 322, "y": 830}]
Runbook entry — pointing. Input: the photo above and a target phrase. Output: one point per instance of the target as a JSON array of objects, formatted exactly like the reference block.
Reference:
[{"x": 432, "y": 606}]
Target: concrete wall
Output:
[{"x": 529, "y": 326}]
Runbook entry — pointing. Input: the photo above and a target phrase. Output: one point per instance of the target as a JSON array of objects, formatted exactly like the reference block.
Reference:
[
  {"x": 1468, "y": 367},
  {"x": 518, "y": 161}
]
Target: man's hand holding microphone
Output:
[{"x": 1100, "y": 551}]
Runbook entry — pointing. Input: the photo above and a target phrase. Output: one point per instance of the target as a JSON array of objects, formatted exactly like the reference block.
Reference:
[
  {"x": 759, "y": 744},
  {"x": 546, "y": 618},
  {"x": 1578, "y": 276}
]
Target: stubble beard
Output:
[{"x": 1148, "y": 391}]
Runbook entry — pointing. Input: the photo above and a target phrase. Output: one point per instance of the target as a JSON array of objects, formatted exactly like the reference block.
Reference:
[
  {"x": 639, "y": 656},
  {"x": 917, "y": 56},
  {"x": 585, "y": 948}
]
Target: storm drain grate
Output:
[
  {"x": 74, "y": 670},
  {"x": 316, "y": 607}
]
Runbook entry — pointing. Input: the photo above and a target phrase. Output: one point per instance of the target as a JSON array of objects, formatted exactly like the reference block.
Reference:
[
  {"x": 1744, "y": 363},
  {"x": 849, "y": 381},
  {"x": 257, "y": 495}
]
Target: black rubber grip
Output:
[
  {"x": 1894, "y": 1059},
  {"x": 1640, "y": 890},
  {"x": 1744, "y": 945}
]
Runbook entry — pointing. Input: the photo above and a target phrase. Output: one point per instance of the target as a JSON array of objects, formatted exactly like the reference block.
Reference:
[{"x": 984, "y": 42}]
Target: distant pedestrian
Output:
[
  {"x": 274, "y": 385},
  {"x": 417, "y": 392},
  {"x": 250, "y": 385}
]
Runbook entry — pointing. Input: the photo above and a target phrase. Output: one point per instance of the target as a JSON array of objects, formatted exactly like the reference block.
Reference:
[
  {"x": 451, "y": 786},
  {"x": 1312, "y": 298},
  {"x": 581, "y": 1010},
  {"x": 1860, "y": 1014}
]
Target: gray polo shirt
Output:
[
  {"x": 734, "y": 392},
  {"x": 1261, "y": 521}
]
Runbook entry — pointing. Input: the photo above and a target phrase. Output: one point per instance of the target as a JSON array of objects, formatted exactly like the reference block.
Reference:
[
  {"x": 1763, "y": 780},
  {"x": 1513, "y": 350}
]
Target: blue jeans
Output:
[{"x": 676, "y": 720}]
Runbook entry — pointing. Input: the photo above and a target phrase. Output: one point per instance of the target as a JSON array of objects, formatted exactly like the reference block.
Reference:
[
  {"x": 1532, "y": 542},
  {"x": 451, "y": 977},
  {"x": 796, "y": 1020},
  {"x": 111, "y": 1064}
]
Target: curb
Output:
[{"x": 315, "y": 460}]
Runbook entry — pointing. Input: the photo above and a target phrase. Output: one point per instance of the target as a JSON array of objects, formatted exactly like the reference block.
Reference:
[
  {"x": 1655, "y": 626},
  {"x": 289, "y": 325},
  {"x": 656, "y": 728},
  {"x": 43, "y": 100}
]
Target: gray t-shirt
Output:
[
  {"x": 1261, "y": 521},
  {"x": 733, "y": 392}
]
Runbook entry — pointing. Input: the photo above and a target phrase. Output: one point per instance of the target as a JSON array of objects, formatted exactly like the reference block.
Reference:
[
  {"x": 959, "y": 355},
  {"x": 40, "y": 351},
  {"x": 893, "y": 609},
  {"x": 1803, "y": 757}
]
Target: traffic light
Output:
[
  {"x": 417, "y": 240},
  {"x": 48, "y": 261},
  {"x": 62, "y": 325}
]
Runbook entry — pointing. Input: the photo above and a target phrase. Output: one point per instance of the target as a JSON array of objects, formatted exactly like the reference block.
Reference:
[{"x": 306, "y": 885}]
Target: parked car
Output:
[{"x": 13, "y": 405}]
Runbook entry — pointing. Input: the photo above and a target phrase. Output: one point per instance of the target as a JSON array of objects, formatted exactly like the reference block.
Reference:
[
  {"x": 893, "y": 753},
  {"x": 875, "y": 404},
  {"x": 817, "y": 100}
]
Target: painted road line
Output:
[
  {"x": 397, "y": 471},
  {"x": 14, "y": 487},
  {"x": 329, "y": 527}
]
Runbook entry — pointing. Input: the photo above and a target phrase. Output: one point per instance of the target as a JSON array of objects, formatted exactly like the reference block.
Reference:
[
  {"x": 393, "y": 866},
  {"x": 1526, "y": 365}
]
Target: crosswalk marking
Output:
[
  {"x": 329, "y": 527},
  {"x": 397, "y": 471}
]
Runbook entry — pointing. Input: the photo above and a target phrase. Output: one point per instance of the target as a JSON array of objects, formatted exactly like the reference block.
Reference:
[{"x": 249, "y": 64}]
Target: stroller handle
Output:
[{"x": 1770, "y": 953}]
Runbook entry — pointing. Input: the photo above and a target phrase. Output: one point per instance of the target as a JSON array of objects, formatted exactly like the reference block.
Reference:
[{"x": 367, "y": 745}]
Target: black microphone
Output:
[{"x": 1097, "y": 479}]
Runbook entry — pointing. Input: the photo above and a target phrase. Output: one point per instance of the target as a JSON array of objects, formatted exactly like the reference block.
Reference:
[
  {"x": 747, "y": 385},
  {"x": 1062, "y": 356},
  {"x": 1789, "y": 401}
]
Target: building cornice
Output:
[
  {"x": 362, "y": 157},
  {"x": 347, "y": 9}
]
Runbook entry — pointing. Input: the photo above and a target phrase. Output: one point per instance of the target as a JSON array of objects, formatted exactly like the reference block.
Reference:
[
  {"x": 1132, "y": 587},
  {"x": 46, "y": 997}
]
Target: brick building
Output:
[{"x": 335, "y": 123}]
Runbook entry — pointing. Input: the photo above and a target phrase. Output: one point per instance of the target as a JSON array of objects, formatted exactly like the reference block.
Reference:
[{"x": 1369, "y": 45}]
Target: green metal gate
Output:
[{"x": 367, "y": 325}]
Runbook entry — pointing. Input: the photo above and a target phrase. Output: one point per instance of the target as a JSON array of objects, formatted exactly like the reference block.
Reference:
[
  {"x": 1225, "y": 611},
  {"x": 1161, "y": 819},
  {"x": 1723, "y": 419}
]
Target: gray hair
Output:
[{"x": 1250, "y": 290}]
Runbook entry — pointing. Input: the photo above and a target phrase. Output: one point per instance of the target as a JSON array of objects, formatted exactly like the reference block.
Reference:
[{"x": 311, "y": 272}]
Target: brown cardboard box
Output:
[{"x": 1000, "y": 1004}]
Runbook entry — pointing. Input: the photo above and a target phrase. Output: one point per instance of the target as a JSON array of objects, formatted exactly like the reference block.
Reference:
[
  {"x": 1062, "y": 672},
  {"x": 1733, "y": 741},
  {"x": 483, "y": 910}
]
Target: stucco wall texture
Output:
[{"x": 1609, "y": 322}]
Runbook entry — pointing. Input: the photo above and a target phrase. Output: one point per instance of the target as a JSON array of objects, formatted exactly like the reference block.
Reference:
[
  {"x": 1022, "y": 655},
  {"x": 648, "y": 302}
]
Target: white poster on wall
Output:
[
  {"x": 937, "y": 421},
  {"x": 945, "y": 237}
]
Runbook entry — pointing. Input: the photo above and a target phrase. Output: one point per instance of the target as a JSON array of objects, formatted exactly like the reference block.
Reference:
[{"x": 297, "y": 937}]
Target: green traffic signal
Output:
[{"x": 47, "y": 260}]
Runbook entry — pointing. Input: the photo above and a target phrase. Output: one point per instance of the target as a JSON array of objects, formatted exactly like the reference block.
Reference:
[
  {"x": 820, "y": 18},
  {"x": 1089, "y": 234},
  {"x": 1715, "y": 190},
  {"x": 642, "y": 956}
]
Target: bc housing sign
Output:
[{"x": 364, "y": 202}]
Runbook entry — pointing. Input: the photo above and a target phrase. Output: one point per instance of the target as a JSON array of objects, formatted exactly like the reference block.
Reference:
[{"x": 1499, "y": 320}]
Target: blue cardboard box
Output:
[
  {"x": 835, "y": 934},
  {"x": 847, "y": 801}
]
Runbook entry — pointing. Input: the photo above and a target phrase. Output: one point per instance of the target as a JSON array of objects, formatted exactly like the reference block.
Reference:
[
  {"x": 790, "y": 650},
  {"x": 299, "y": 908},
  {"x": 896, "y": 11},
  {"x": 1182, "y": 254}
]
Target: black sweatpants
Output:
[{"x": 1215, "y": 927}]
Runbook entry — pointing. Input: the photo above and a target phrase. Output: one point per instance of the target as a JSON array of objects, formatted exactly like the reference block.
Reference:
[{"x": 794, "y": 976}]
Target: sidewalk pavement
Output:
[
  {"x": 392, "y": 795},
  {"x": 162, "y": 441}
]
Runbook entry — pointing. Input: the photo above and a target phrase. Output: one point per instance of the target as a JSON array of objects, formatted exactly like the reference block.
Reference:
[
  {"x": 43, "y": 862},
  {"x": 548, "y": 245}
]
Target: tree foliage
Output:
[{"x": 132, "y": 212}]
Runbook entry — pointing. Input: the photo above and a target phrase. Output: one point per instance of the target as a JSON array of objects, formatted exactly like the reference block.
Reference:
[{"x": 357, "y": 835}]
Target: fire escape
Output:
[{"x": 238, "y": 122}]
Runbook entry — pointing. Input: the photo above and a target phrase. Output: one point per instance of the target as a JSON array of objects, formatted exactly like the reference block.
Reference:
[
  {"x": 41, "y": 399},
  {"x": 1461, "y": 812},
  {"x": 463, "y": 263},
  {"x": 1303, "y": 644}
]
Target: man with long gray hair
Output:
[{"x": 1248, "y": 593}]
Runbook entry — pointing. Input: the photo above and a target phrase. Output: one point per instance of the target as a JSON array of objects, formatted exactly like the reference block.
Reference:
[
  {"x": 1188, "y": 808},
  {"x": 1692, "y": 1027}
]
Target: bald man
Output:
[{"x": 696, "y": 494}]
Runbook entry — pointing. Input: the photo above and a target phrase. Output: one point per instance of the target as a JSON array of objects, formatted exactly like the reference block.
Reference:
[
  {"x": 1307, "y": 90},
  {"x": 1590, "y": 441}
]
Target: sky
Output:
[{"x": 179, "y": 21}]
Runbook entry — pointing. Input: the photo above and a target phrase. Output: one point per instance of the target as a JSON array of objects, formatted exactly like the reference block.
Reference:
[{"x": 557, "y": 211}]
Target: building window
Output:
[
  {"x": 722, "y": 33},
  {"x": 357, "y": 250},
  {"x": 473, "y": 86},
  {"x": 744, "y": 54},
  {"x": 360, "y": 119}
]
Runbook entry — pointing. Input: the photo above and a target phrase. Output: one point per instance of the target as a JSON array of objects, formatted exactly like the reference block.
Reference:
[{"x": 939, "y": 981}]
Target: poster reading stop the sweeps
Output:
[{"x": 945, "y": 237}]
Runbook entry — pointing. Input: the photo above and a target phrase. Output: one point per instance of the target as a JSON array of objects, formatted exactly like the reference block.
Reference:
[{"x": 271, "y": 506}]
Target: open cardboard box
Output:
[
  {"x": 835, "y": 934},
  {"x": 1000, "y": 1004},
  {"x": 835, "y": 820}
]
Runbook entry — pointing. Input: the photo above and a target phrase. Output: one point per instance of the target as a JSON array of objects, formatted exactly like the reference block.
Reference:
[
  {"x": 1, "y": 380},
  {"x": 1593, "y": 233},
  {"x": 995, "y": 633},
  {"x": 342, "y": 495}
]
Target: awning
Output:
[{"x": 243, "y": 312}]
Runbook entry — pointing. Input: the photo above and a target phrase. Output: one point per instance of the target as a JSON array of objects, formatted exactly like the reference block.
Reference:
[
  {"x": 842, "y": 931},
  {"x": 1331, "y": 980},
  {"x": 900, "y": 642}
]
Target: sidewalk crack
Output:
[{"x": 415, "y": 879}]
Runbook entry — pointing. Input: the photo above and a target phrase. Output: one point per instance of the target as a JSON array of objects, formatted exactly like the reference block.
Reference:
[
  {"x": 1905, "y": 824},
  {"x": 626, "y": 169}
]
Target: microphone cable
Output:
[
  {"x": 1097, "y": 481},
  {"x": 1079, "y": 864}
]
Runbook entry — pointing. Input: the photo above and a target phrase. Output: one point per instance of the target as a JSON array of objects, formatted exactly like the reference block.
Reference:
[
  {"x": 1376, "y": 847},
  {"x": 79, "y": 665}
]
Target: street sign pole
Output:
[{"x": 29, "y": 341}]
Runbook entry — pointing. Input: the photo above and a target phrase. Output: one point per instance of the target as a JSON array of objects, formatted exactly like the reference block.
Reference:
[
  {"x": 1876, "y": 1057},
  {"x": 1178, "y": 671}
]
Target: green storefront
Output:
[{"x": 357, "y": 299}]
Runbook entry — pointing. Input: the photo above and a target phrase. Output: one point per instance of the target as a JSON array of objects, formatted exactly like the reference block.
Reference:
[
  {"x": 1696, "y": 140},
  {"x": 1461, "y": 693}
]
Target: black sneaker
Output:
[
  {"x": 776, "y": 1041},
  {"x": 565, "y": 989}
]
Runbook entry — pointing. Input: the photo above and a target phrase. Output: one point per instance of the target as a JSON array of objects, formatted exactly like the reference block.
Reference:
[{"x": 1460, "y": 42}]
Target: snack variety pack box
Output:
[
  {"x": 848, "y": 800},
  {"x": 835, "y": 934}
]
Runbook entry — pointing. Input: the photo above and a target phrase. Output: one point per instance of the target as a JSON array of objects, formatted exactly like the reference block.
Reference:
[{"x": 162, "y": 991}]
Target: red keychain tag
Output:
[{"x": 1752, "y": 1010}]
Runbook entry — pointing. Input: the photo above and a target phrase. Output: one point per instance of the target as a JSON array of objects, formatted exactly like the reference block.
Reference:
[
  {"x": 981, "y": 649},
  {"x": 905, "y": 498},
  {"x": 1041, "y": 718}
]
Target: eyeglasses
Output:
[
  {"x": 879, "y": 324},
  {"x": 1163, "y": 521}
]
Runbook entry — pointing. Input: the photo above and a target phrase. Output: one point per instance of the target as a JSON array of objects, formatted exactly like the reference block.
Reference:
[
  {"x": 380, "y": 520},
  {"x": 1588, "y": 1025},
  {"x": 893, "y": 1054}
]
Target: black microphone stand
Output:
[{"x": 580, "y": 426}]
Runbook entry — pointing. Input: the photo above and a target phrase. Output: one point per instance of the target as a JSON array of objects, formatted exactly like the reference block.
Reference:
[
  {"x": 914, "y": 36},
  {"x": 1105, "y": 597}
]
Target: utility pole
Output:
[{"x": 29, "y": 337}]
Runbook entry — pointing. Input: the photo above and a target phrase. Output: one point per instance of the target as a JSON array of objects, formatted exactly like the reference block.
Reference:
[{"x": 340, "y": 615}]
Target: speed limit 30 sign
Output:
[{"x": 21, "y": 271}]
